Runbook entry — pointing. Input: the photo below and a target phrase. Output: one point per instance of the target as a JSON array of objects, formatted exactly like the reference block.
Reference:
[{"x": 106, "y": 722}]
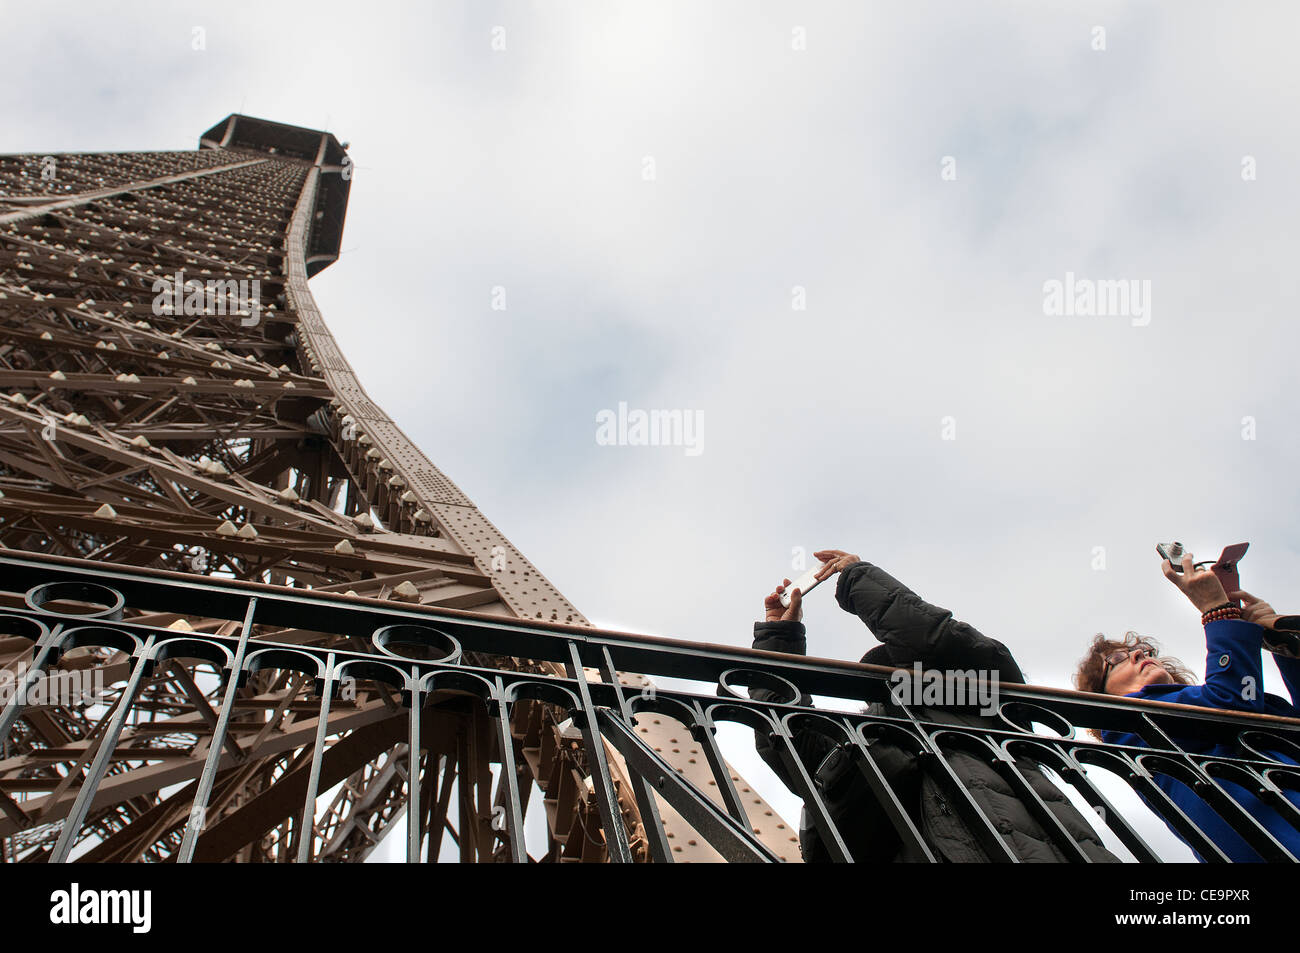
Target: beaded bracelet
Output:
[{"x": 1221, "y": 612}]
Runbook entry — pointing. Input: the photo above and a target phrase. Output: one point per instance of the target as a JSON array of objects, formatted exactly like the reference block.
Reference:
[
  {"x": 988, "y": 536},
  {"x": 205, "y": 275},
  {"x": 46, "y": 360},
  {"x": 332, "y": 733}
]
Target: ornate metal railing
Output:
[{"x": 425, "y": 671}]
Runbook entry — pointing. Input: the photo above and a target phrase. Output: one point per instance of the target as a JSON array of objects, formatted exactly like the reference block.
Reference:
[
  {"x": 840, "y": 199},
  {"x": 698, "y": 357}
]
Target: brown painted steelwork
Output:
[{"x": 214, "y": 444}]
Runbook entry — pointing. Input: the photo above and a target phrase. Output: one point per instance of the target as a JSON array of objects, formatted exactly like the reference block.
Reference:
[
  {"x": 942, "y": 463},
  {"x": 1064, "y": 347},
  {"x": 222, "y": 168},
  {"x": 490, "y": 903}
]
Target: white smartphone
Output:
[{"x": 805, "y": 584}]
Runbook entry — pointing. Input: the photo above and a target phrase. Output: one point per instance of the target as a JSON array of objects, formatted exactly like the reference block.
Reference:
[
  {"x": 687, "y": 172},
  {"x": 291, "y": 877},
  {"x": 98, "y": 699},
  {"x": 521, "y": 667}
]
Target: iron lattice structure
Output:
[{"x": 229, "y": 438}]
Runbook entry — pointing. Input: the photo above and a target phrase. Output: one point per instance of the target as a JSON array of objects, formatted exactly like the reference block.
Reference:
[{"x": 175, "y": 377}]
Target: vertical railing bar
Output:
[
  {"x": 1242, "y": 822},
  {"x": 1151, "y": 723},
  {"x": 1141, "y": 781},
  {"x": 13, "y": 708},
  {"x": 90, "y": 785},
  {"x": 1276, "y": 796},
  {"x": 414, "y": 814},
  {"x": 884, "y": 794},
  {"x": 718, "y": 828},
  {"x": 975, "y": 818},
  {"x": 812, "y": 799},
  {"x": 703, "y": 733},
  {"x": 308, "y": 836},
  {"x": 1045, "y": 816},
  {"x": 611, "y": 817},
  {"x": 1113, "y": 819},
  {"x": 199, "y": 809},
  {"x": 509, "y": 781},
  {"x": 200, "y": 703},
  {"x": 651, "y": 820}
]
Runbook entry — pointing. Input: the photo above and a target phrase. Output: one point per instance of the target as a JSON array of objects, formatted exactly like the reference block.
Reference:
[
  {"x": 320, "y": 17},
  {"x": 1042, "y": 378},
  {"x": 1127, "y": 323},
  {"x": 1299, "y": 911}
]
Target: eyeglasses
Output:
[{"x": 1119, "y": 655}]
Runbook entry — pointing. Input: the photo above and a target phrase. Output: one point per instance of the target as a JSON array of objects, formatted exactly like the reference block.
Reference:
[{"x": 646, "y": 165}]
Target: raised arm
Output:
[
  {"x": 911, "y": 629},
  {"x": 1234, "y": 674},
  {"x": 782, "y": 631}
]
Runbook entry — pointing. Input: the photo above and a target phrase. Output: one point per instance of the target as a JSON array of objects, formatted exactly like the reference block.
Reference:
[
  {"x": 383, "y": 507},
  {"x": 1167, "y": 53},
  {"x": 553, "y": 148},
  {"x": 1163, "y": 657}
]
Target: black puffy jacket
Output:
[{"x": 910, "y": 631}]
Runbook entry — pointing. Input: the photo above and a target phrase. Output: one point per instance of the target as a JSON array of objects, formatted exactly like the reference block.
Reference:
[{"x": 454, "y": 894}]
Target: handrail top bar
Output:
[{"x": 579, "y": 632}]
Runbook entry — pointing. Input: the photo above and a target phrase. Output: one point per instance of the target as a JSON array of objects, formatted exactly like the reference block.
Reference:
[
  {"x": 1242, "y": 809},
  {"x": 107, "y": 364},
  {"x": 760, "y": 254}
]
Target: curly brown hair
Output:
[{"x": 1088, "y": 676}]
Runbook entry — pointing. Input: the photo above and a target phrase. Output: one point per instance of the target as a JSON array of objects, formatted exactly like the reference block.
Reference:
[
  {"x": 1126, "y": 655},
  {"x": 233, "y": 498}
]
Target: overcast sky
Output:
[{"x": 796, "y": 158}]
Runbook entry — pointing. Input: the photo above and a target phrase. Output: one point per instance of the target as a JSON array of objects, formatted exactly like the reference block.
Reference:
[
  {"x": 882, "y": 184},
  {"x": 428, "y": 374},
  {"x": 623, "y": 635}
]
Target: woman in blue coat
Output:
[{"x": 1233, "y": 680}]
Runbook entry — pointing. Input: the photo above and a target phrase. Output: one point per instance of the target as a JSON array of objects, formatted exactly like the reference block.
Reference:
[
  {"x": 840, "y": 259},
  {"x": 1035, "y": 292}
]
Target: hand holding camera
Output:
[
  {"x": 1201, "y": 586},
  {"x": 1225, "y": 567},
  {"x": 784, "y": 604},
  {"x": 1220, "y": 584}
]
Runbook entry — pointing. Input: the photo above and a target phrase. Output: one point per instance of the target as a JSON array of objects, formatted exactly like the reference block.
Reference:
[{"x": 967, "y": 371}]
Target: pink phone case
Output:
[{"x": 1226, "y": 567}]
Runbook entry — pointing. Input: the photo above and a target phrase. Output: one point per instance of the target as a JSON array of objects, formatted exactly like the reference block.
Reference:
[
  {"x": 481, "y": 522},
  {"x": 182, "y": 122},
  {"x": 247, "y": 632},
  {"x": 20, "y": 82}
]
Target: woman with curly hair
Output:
[{"x": 1234, "y": 679}]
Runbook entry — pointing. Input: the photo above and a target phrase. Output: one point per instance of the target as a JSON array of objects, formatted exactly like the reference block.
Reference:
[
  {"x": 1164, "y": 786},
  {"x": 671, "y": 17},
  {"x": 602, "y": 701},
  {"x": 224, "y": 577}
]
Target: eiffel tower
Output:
[{"x": 171, "y": 399}]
